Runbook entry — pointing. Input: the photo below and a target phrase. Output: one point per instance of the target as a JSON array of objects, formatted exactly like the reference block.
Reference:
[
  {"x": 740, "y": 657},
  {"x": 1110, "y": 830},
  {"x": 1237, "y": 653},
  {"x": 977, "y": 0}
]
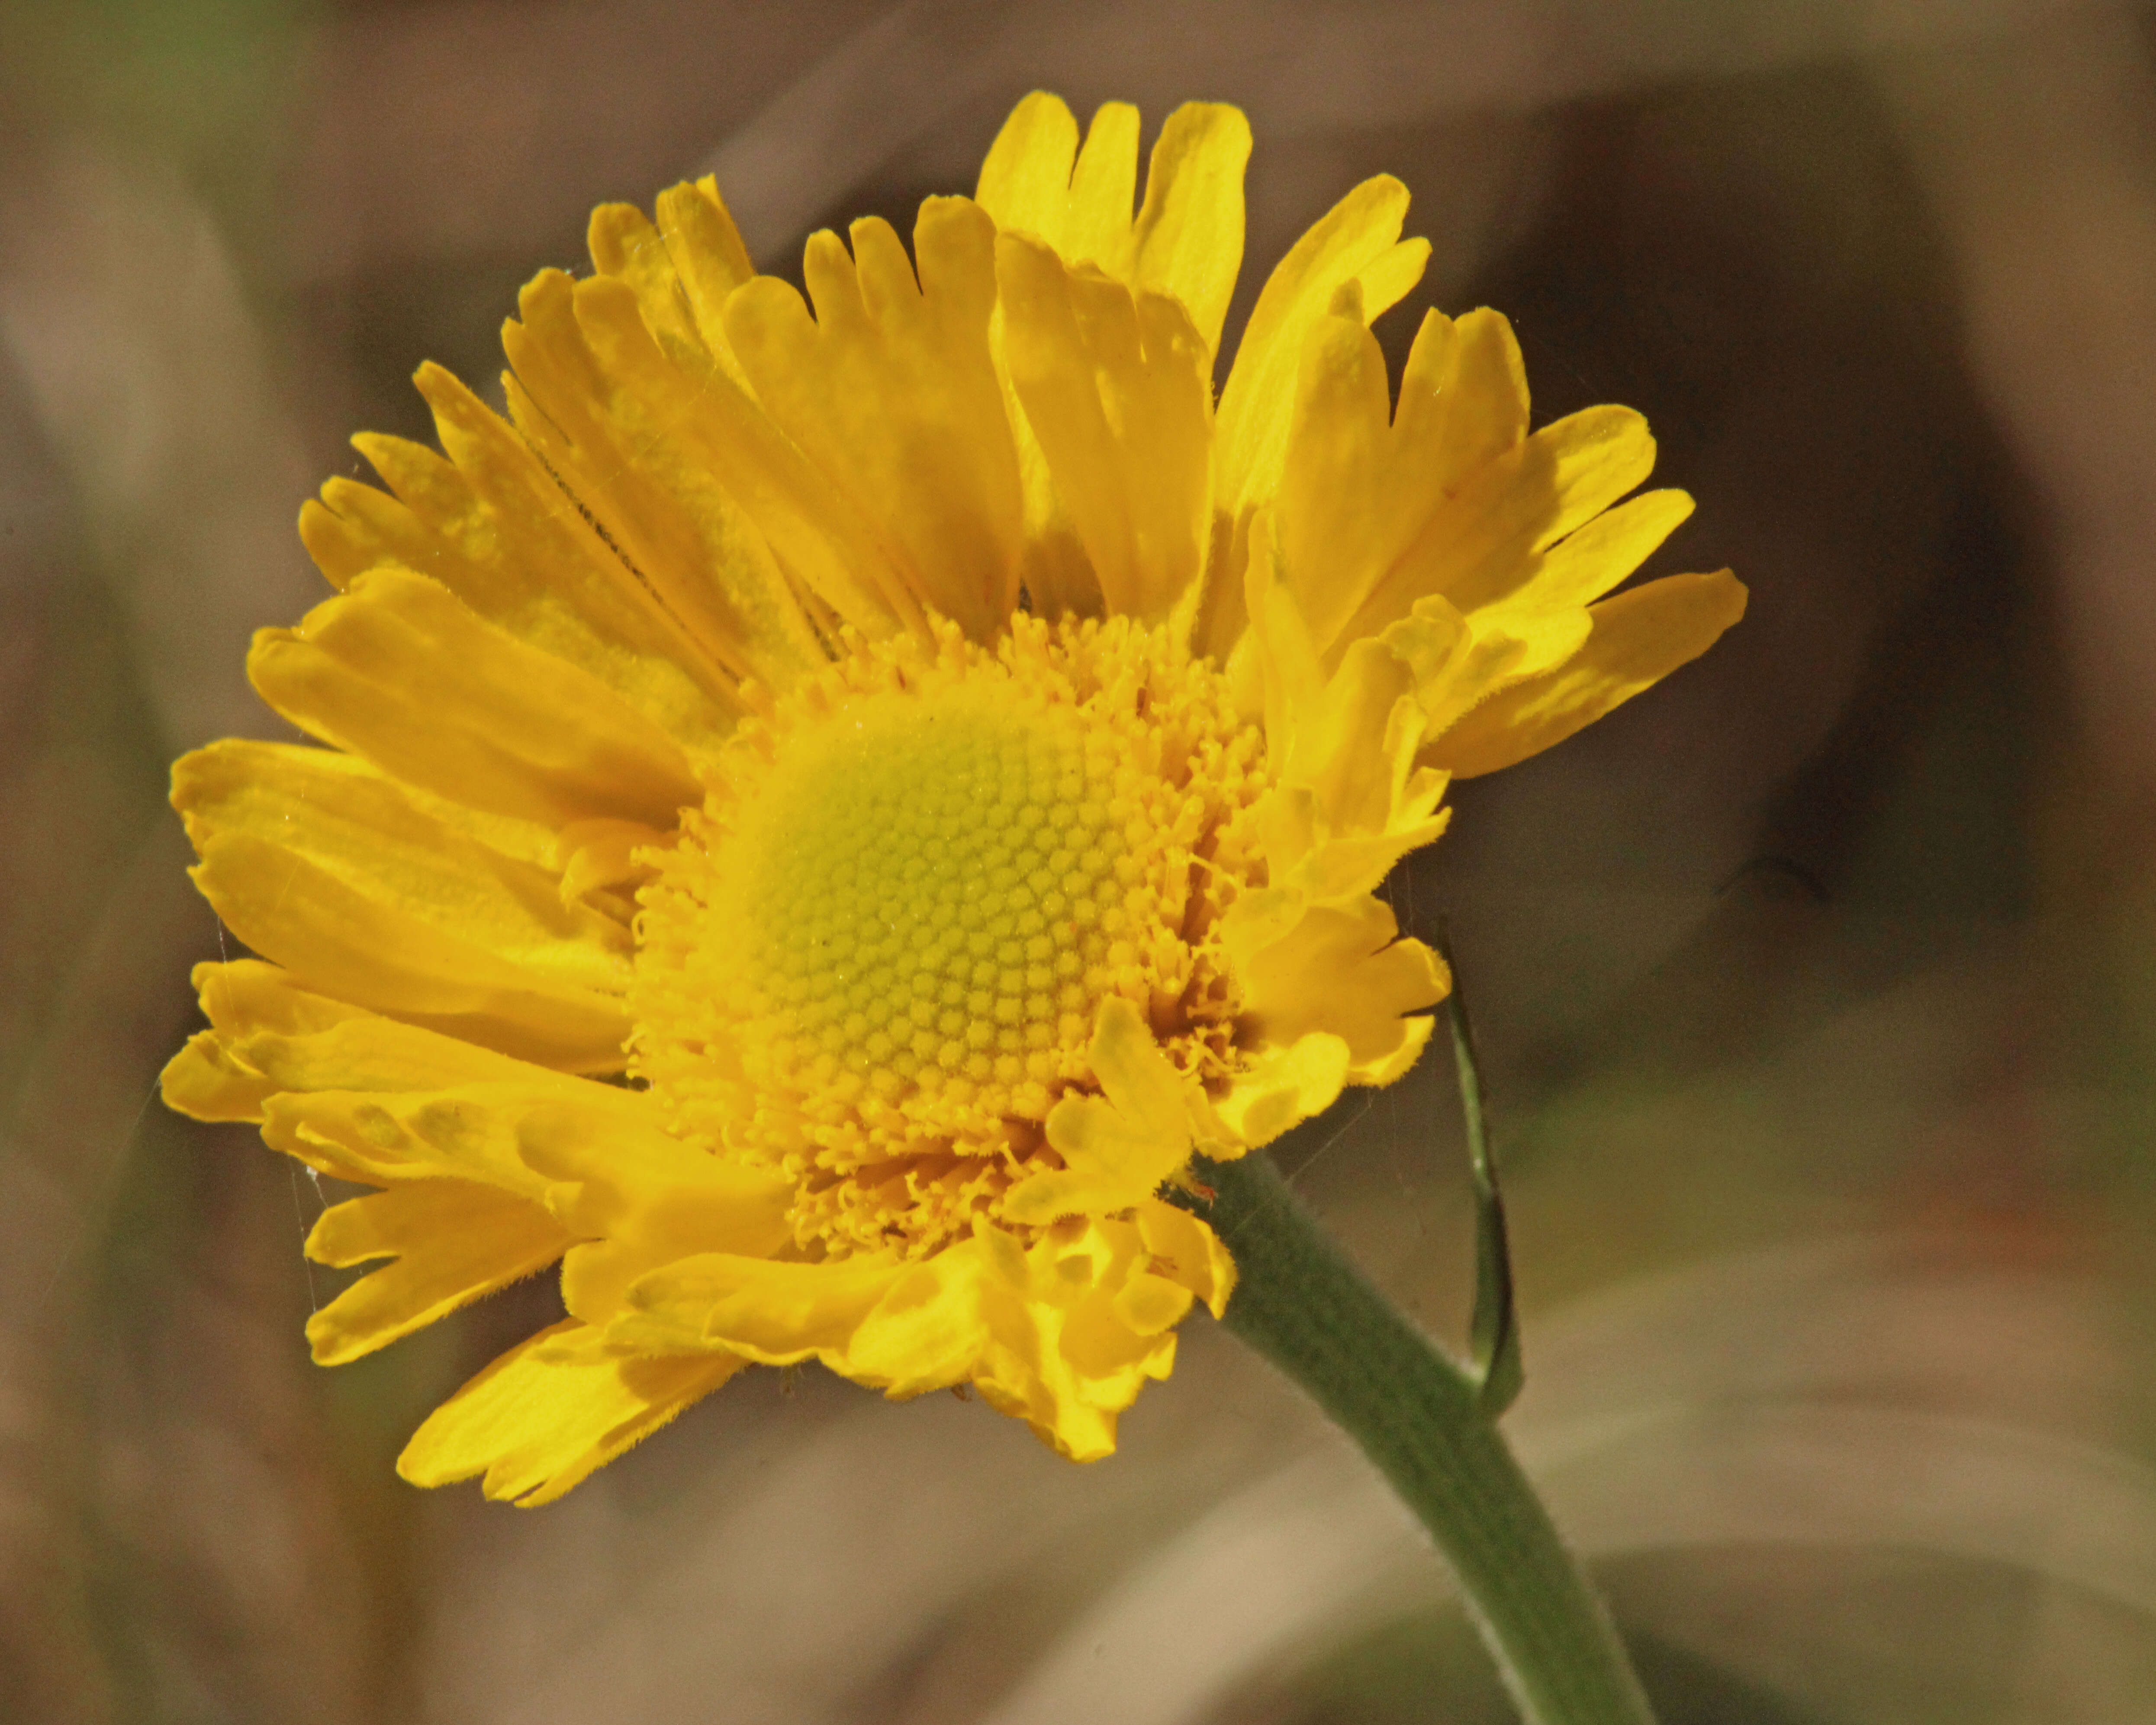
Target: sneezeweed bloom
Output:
[{"x": 823, "y": 811}]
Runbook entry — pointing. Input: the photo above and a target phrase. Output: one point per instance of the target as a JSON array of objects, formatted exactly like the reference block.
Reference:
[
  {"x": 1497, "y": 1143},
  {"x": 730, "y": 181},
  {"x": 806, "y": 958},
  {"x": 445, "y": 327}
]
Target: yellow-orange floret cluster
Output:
[{"x": 875, "y": 958}]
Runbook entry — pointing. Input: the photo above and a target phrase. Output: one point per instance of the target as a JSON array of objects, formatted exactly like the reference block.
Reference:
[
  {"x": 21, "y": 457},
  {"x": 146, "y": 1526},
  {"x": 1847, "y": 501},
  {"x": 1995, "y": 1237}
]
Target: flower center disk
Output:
[
  {"x": 927, "y": 902},
  {"x": 875, "y": 958}
]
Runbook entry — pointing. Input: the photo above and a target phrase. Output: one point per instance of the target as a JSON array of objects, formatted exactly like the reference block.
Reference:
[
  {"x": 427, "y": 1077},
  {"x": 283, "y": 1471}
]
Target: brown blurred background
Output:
[{"x": 1818, "y": 989}]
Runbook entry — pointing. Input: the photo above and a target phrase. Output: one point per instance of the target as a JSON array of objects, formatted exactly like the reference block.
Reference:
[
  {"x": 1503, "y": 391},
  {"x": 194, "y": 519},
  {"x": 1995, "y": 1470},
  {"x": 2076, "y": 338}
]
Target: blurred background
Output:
[{"x": 1817, "y": 989}]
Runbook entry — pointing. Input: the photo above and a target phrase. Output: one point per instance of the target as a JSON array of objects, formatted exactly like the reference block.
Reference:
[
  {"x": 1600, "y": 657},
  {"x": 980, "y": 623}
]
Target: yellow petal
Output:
[
  {"x": 681, "y": 269},
  {"x": 1024, "y": 183},
  {"x": 1054, "y": 571},
  {"x": 1346, "y": 507},
  {"x": 1463, "y": 395},
  {"x": 1186, "y": 1248},
  {"x": 620, "y": 1172},
  {"x": 204, "y": 1080},
  {"x": 899, "y": 1328},
  {"x": 625, "y": 244},
  {"x": 891, "y": 393},
  {"x": 1355, "y": 750},
  {"x": 1120, "y": 1147},
  {"x": 245, "y": 996},
  {"x": 709, "y": 260},
  {"x": 772, "y": 1312},
  {"x": 615, "y": 424},
  {"x": 489, "y": 524},
  {"x": 319, "y": 862},
  {"x": 342, "y": 942},
  {"x": 268, "y": 1034},
  {"x": 601, "y": 856},
  {"x": 473, "y": 1131},
  {"x": 824, "y": 543},
  {"x": 1070, "y": 1345},
  {"x": 209, "y": 1079},
  {"x": 1279, "y": 651},
  {"x": 360, "y": 827},
  {"x": 1114, "y": 389},
  {"x": 1639, "y": 637},
  {"x": 1144, "y": 1306},
  {"x": 1341, "y": 968},
  {"x": 368, "y": 1052},
  {"x": 1352, "y": 800},
  {"x": 1031, "y": 185},
  {"x": 1497, "y": 649},
  {"x": 1361, "y": 482},
  {"x": 1187, "y": 241},
  {"x": 929, "y": 1330},
  {"x": 1362, "y": 763},
  {"x": 1357, "y": 241},
  {"x": 453, "y": 1240},
  {"x": 1592, "y": 559},
  {"x": 716, "y": 435},
  {"x": 1062, "y": 1335},
  {"x": 646, "y": 1198},
  {"x": 1285, "y": 1087},
  {"x": 399, "y": 671},
  {"x": 1104, "y": 186},
  {"x": 1025, "y": 187},
  {"x": 1488, "y": 541},
  {"x": 546, "y": 1414}
]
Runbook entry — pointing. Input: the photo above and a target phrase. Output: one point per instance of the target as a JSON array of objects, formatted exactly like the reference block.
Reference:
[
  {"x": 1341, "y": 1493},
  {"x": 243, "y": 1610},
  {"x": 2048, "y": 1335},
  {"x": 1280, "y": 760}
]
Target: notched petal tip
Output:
[
  {"x": 1637, "y": 638},
  {"x": 544, "y": 1416}
]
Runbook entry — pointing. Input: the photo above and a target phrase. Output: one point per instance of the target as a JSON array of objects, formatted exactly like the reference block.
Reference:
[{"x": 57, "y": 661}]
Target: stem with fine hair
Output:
[{"x": 1422, "y": 1419}]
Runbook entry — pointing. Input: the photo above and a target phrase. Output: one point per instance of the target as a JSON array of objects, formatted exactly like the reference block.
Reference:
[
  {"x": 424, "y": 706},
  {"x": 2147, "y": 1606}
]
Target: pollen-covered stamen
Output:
[{"x": 877, "y": 957}]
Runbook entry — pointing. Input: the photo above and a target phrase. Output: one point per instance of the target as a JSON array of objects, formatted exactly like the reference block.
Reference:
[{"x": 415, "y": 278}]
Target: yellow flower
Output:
[{"x": 823, "y": 813}]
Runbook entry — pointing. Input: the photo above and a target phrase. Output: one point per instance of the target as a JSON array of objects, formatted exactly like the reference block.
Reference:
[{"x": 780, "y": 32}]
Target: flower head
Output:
[{"x": 823, "y": 811}]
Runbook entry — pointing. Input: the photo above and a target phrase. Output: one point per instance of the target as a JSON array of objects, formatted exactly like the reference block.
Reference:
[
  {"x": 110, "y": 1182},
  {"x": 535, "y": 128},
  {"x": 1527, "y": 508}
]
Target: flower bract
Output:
[{"x": 816, "y": 816}]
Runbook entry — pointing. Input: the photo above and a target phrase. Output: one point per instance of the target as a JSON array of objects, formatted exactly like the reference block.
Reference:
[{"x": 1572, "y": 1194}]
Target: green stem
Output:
[{"x": 1418, "y": 1416}]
